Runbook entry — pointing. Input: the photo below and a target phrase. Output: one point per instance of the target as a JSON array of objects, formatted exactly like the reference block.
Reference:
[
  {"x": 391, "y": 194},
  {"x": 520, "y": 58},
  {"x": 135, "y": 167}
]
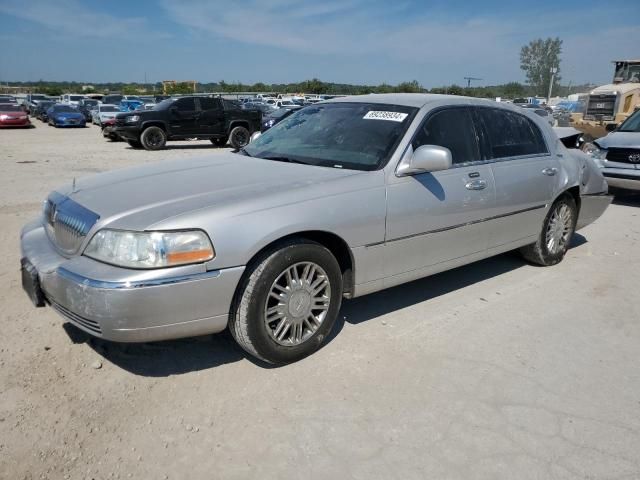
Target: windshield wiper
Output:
[{"x": 285, "y": 159}]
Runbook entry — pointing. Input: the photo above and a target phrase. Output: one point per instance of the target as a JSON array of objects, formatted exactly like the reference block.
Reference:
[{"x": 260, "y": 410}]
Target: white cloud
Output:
[{"x": 73, "y": 18}]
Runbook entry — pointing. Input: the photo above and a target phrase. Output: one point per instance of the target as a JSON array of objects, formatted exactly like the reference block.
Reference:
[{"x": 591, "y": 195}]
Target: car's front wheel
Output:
[
  {"x": 153, "y": 138},
  {"x": 134, "y": 144},
  {"x": 557, "y": 231},
  {"x": 239, "y": 137},
  {"x": 288, "y": 302}
]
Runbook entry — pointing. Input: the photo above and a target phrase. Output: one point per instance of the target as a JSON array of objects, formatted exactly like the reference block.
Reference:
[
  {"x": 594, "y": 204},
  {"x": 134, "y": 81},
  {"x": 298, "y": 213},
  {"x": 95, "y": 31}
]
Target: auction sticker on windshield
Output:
[{"x": 391, "y": 116}]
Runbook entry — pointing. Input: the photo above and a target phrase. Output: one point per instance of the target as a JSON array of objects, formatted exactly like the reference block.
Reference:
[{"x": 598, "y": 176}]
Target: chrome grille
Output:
[
  {"x": 67, "y": 222},
  {"x": 624, "y": 155},
  {"x": 602, "y": 105}
]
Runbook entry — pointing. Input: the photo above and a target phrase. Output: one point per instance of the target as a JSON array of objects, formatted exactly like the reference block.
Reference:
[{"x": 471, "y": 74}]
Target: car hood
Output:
[
  {"x": 139, "y": 197},
  {"x": 620, "y": 140},
  {"x": 68, "y": 114}
]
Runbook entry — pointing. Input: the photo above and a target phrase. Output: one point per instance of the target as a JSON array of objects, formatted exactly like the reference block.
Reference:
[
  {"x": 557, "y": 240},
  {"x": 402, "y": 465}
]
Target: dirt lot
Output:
[{"x": 495, "y": 370}]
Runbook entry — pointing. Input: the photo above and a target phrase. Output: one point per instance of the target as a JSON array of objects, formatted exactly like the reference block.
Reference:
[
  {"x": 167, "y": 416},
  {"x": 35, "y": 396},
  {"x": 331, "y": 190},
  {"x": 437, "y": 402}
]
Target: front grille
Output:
[
  {"x": 601, "y": 105},
  {"x": 624, "y": 155},
  {"x": 91, "y": 325},
  {"x": 67, "y": 222}
]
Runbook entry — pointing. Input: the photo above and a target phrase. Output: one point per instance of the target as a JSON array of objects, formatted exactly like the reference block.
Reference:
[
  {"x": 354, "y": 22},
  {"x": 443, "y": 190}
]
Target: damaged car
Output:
[{"x": 344, "y": 198}]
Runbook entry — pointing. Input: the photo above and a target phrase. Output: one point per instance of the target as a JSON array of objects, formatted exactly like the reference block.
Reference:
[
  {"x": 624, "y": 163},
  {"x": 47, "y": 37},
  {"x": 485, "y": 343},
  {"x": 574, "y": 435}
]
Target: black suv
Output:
[{"x": 212, "y": 118}]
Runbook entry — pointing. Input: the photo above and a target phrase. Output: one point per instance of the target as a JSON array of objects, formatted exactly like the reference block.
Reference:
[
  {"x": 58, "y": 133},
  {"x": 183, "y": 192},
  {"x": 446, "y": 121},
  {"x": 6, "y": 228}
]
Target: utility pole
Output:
[
  {"x": 469, "y": 79},
  {"x": 553, "y": 72}
]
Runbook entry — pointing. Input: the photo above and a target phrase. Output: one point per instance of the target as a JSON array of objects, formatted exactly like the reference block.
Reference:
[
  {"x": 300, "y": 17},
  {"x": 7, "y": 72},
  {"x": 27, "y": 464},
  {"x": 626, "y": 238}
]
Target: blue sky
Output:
[{"x": 279, "y": 41}]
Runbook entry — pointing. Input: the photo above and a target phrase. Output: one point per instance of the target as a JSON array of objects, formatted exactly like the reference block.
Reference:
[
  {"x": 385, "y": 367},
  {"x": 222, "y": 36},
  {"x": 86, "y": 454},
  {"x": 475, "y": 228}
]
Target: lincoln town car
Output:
[{"x": 343, "y": 198}]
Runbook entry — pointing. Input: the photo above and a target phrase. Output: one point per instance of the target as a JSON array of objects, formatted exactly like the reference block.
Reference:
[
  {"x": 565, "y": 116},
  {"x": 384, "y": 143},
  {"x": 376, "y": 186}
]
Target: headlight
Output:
[
  {"x": 594, "y": 152},
  {"x": 270, "y": 123},
  {"x": 150, "y": 249},
  {"x": 132, "y": 118},
  {"x": 4, "y": 117}
]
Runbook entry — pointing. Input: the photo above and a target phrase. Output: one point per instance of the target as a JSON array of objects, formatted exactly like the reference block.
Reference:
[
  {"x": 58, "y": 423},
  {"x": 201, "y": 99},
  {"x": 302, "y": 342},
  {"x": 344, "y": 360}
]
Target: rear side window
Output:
[
  {"x": 186, "y": 105},
  {"x": 451, "y": 128},
  {"x": 510, "y": 134},
  {"x": 207, "y": 103}
]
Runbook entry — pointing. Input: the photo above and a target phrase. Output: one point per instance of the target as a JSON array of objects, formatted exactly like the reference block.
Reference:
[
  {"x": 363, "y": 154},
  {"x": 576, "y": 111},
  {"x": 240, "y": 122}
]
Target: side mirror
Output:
[
  {"x": 610, "y": 127},
  {"x": 426, "y": 158}
]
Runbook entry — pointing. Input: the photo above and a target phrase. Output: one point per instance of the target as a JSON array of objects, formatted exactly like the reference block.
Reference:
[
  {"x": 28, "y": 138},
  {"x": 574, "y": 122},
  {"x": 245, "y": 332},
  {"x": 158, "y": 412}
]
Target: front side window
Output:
[
  {"x": 359, "y": 136},
  {"x": 510, "y": 134},
  {"x": 451, "y": 128},
  {"x": 186, "y": 105}
]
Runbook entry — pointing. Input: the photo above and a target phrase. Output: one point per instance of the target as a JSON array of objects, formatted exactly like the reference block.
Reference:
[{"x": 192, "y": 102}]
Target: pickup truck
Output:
[{"x": 200, "y": 117}]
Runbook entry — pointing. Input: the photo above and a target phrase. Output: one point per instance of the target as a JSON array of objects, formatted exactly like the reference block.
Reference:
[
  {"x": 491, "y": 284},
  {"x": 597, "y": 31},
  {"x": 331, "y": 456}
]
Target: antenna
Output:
[{"x": 469, "y": 79}]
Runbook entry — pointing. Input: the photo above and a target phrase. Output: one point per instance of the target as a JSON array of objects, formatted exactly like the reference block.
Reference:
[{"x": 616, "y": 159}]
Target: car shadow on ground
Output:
[
  {"x": 175, "y": 357},
  {"x": 625, "y": 197}
]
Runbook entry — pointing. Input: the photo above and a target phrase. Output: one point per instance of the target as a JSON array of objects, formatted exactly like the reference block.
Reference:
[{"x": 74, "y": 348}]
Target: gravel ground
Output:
[{"x": 490, "y": 371}]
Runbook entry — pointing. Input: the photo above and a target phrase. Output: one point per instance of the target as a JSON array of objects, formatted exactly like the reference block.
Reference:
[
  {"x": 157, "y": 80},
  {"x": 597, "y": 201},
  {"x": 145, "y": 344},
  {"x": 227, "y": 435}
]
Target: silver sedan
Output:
[{"x": 344, "y": 198}]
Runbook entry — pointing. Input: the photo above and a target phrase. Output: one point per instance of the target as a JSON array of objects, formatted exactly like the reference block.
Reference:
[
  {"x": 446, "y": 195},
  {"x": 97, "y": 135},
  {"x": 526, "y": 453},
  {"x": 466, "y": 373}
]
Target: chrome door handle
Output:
[
  {"x": 476, "y": 185},
  {"x": 550, "y": 171}
]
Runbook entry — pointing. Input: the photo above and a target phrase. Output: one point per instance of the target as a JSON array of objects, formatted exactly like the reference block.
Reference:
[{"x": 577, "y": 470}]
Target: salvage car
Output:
[
  {"x": 103, "y": 113},
  {"x": 63, "y": 115},
  {"x": 40, "y": 111},
  {"x": 109, "y": 129},
  {"x": 205, "y": 118},
  {"x": 12, "y": 115},
  {"x": 342, "y": 199},
  {"x": 618, "y": 154},
  {"x": 86, "y": 106}
]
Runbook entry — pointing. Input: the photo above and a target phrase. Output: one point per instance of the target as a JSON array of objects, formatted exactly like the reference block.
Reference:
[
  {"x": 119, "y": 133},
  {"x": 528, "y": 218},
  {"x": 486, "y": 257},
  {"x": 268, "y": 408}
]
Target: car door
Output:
[
  {"x": 211, "y": 120},
  {"x": 183, "y": 117},
  {"x": 524, "y": 170},
  {"x": 436, "y": 217}
]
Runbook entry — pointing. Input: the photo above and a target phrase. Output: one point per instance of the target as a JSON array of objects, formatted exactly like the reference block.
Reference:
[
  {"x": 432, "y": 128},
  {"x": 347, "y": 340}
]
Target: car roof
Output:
[{"x": 417, "y": 100}]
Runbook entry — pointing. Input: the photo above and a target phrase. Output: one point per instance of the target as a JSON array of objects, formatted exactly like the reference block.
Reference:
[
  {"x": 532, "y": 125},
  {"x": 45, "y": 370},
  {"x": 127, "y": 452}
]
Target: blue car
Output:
[
  {"x": 61, "y": 115},
  {"x": 131, "y": 105}
]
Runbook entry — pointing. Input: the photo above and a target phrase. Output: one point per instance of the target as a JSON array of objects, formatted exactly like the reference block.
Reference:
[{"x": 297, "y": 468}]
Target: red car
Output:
[{"x": 12, "y": 115}]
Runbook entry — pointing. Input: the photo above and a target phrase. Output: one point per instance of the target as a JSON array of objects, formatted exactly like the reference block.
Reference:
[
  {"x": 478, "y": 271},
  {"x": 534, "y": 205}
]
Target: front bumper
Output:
[
  {"x": 627, "y": 178},
  {"x": 128, "y": 132},
  {"x": 130, "y": 305}
]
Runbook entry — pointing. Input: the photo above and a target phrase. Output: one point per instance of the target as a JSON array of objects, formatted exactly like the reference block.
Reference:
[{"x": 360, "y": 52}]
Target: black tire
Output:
[
  {"x": 153, "y": 138},
  {"x": 134, "y": 144},
  {"x": 539, "y": 252},
  {"x": 115, "y": 138},
  {"x": 247, "y": 319},
  {"x": 239, "y": 137},
  {"x": 219, "y": 142}
]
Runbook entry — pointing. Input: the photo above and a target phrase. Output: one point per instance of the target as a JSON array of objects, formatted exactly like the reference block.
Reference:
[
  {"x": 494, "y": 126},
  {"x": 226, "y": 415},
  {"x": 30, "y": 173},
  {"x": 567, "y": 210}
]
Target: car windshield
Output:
[
  {"x": 359, "y": 136},
  {"x": 109, "y": 108},
  {"x": 10, "y": 108},
  {"x": 280, "y": 112},
  {"x": 64, "y": 108},
  {"x": 90, "y": 102},
  {"x": 75, "y": 98},
  {"x": 38, "y": 97},
  {"x": 631, "y": 124},
  {"x": 7, "y": 100}
]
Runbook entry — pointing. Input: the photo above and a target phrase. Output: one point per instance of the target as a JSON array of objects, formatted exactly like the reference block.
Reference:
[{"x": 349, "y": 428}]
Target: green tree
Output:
[
  {"x": 409, "y": 87},
  {"x": 179, "y": 88},
  {"x": 537, "y": 59}
]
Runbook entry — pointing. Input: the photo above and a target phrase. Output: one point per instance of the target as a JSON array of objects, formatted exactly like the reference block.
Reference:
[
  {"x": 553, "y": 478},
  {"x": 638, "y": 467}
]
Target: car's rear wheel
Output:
[
  {"x": 219, "y": 142},
  {"x": 134, "y": 144},
  {"x": 557, "y": 231},
  {"x": 153, "y": 138},
  {"x": 239, "y": 137},
  {"x": 288, "y": 302}
]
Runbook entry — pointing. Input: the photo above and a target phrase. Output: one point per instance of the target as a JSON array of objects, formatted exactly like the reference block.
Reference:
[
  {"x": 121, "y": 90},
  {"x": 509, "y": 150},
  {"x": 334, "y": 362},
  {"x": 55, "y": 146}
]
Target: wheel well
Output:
[
  {"x": 238, "y": 123},
  {"x": 575, "y": 193},
  {"x": 336, "y": 245},
  {"x": 153, "y": 124}
]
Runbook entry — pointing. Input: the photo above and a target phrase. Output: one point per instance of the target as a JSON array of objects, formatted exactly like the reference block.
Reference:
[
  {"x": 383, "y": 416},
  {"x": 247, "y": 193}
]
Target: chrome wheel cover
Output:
[
  {"x": 558, "y": 232},
  {"x": 297, "y": 303}
]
